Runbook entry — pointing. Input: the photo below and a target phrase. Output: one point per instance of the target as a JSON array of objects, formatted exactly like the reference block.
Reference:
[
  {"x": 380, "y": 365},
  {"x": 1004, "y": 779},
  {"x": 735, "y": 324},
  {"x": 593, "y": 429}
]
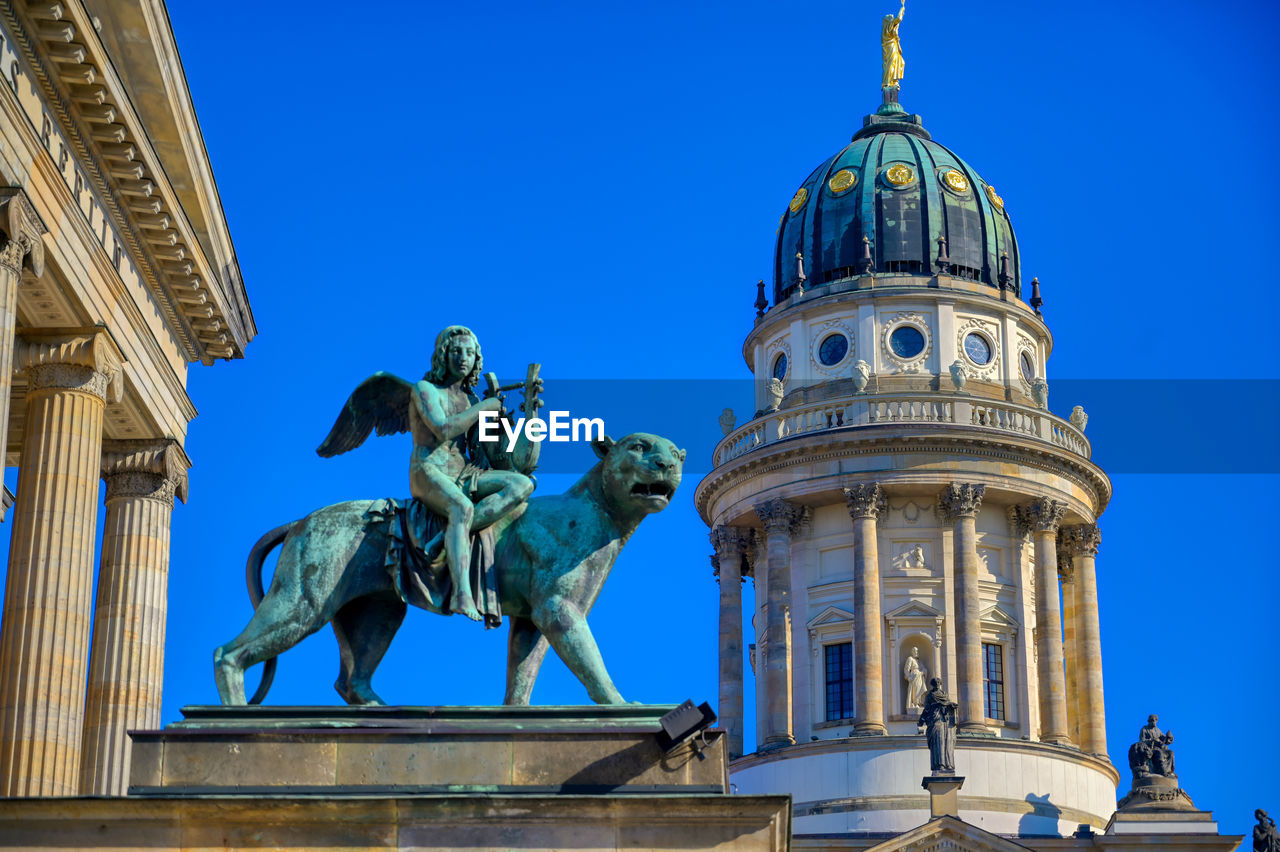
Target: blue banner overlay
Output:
[{"x": 1135, "y": 425}]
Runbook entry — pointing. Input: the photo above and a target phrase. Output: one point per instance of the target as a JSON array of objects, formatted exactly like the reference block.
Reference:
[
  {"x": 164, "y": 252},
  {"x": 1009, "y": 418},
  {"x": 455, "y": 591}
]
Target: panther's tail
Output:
[{"x": 253, "y": 577}]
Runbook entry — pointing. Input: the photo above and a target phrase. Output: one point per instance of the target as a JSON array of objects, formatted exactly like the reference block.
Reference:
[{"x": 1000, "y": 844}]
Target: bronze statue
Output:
[
  {"x": 1152, "y": 754},
  {"x": 539, "y": 562},
  {"x": 938, "y": 724},
  {"x": 1265, "y": 836}
]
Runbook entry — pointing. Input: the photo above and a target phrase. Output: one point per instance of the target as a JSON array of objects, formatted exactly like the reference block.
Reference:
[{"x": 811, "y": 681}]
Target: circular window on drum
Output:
[
  {"x": 780, "y": 367},
  {"x": 907, "y": 341},
  {"x": 977, "y": 348},
  {"x": 1028, "y": 367},
  {"x": 833, "y": 349}
]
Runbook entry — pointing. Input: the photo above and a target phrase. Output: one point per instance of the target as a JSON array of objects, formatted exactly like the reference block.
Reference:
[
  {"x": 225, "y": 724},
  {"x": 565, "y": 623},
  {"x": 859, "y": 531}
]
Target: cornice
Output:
[
  {"x": 850, "y": 442},
  {"x": 80, "y": 87}
]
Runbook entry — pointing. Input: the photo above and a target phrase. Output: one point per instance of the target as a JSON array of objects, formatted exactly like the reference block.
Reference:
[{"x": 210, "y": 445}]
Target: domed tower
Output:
[{"x": 909, "y": 508}]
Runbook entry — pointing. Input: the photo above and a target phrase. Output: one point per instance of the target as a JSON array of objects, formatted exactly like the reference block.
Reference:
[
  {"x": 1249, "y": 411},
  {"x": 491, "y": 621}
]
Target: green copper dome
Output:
[{"x": 902, "y": 191}]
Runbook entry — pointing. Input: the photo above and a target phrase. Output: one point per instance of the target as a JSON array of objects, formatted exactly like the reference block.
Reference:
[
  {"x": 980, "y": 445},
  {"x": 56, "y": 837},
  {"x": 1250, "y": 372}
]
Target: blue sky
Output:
[{"x": 596, "y": 187}]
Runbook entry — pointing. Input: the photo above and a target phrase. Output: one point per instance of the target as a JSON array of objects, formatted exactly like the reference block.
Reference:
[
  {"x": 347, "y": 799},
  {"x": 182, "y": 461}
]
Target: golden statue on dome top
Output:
[{"x": 891, "y": 47}]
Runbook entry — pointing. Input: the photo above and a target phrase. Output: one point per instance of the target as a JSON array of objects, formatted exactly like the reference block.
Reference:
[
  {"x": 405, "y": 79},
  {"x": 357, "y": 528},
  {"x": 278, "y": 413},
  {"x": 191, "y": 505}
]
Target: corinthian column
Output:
[
  {"x": 126, "y": 667},
  {"x": 1070, "y": 636},
  {"x": 20, "y": 243},
  {"x": 961, "y": 502},
  {"x": 1043, "y": 516},
  {"x": 780, "y": 519},
  {"x": 730, "y": 543},
  {"x": 866, "y": 502},
  {"x": 44, "y": 642},
  {"x": 1084, "y": 540}
]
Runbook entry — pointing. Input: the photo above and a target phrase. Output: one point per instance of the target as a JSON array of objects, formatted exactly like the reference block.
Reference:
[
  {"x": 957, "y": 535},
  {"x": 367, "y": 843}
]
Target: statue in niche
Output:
[
  {"x": 938, "y": 724},
  {"x": 1265, "y": 836},
  {"x": 914, "y": 673},
  {"x": 1152, "y": 754}
]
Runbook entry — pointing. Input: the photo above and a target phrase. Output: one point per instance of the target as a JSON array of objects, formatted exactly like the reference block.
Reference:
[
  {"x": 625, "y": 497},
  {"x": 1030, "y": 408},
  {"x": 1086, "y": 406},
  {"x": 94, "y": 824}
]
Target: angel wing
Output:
[{"x": 380, "y": 402}]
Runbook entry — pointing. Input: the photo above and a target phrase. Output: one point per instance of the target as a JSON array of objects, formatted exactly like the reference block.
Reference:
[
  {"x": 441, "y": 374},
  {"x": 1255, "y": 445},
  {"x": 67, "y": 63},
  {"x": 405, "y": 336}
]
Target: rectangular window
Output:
[
  {"x": 993, "y": 680},
  {"x": 839, "y": 681}
]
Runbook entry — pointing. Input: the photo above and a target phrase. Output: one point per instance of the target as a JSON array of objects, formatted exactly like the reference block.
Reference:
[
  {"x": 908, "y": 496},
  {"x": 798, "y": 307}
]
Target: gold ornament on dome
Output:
[
  {"x": 841, "y": 181},
  {"x": 956, "y": 181},
  {"x": 995, "y": 199},
  {"x": 798, "y": 200},
  {"x": 899, "y": 175}
]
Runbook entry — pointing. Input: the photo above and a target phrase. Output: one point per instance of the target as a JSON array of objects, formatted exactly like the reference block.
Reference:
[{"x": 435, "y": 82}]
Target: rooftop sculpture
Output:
[{"x": 469, "y": 540}]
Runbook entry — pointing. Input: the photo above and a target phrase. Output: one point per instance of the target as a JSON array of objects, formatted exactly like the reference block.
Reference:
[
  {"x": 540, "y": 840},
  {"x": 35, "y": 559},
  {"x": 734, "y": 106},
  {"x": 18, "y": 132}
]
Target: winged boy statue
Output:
[{"x": 465, "y": 483}]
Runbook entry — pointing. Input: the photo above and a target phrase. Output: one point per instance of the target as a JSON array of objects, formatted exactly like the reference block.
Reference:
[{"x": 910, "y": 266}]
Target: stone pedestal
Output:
[
  {"x": 422, "y": 778},
  {"x": 418, "y": 750},
  {"x": 1158, "y": 805},
  {"x": 944, "y": 794}
]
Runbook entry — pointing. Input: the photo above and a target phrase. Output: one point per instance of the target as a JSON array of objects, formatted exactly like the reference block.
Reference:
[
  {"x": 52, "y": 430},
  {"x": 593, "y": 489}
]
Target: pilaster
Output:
[
  {"x": 21, "y": 247},
  {"x": 960, "y": 503},
  {"x": 126, "y": 668},
  {"x": 866, "y": 502},
  {"x": 781, "y": 519},
  {"x": 44, "y": 641}
]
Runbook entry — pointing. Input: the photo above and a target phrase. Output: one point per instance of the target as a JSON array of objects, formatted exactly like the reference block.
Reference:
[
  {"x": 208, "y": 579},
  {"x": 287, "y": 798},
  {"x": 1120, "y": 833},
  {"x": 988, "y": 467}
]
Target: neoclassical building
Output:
[
  {"x": 909, "y": 507},
  {"x": 117, "y": 271}
]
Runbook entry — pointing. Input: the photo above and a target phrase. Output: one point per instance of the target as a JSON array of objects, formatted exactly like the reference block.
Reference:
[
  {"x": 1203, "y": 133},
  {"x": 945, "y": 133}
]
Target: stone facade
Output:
[{"x": 117, "y": 271}]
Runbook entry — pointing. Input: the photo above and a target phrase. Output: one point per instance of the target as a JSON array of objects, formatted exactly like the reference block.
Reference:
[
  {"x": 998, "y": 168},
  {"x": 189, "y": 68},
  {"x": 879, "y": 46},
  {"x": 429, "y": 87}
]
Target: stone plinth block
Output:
[
  {"x": 422, "y": 750},
  {"x": 944, "y": 794},
  {"x": 478, "y": 823}
]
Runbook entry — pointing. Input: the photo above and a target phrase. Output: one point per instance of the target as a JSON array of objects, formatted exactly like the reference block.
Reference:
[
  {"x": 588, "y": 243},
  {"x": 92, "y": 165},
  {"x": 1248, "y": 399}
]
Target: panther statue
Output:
[{"x": 551, "y": 558}]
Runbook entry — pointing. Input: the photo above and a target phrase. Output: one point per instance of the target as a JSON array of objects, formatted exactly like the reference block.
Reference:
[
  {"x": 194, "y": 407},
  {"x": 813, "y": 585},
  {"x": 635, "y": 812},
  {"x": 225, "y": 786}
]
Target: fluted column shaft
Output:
[
  {"x": 1043, "y": 516},
  {"x": 1070, "y": 642},
  {"x": 866, "y": 502},
  {"x": 729, "y": 543},
  {"x": 19, "y": 245},
  {"x": 44, "y": 642},
  {"x": 961, "y": 503},
  {"x": 126, "y": 668},
  {"x": 780, "y": 519},
  {"x": 1083, "y": 541}
]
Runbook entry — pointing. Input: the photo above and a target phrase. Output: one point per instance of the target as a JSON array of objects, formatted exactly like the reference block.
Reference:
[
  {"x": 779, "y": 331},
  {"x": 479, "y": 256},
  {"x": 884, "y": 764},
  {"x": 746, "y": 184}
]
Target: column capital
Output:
[
  {"x": 730, "y": 540},
  {"x": 1079, "y": 540},
  {"x": 23, "y": 232},
  {"x": 961, "y": 500},
  {"x": 1043, "y": 515},
  {"x": 781, "y": 516},
  {"x": 866, "y": 501},
  {"x": 145, "y": 468},
  {"x": 80, "y": 358}
]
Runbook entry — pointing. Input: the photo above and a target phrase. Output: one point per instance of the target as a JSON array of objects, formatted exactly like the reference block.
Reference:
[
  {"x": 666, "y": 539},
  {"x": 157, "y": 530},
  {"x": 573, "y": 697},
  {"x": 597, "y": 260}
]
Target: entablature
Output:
[{"x": 102, "y": 148}]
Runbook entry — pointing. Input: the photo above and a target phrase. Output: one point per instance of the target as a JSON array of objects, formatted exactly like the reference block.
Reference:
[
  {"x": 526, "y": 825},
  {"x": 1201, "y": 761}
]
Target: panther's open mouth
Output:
[{"x": 652, "y": 489}]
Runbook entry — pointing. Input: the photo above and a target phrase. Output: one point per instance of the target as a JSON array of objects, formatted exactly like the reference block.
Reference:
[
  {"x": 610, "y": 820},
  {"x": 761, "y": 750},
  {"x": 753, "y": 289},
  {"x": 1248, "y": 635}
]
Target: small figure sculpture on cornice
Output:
[
  {"x": 1265, "y": 836},
  {"x": 938, "y": 724},
  {"x": 891, "y": 47},
  {"x": 914, "y": 672},
  {"x": 1040, "y": 392},
  {"x": 958, "y": 375},
  {"x": 861, "y": 375},
  {"x": 774, "y": 389},
  {"x": 727, "y": 421},
  {"x": 1078, "y": 418}
]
